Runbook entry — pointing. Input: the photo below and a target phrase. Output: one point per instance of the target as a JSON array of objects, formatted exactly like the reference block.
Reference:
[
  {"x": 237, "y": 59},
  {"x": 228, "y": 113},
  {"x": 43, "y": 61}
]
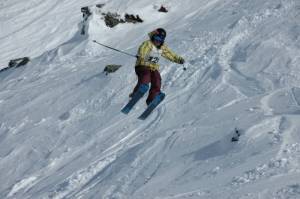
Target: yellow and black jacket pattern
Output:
[{"x": 145, "y": 53}]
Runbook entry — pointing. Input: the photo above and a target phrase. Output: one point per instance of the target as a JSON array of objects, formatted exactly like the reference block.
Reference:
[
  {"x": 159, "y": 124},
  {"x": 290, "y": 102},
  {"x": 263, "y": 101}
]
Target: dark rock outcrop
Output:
[
  {"x": 111, "y": 68},
  {"x": 15, "y": 63},
  {"x": 163, "y": 9},
  {"x": 113, "y": 19}
]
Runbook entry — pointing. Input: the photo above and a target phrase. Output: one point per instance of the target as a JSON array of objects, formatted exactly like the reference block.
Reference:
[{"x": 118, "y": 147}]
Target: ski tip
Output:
[
  {"x": 125, "y": 111},
  {"x": 141, "y": 118}
]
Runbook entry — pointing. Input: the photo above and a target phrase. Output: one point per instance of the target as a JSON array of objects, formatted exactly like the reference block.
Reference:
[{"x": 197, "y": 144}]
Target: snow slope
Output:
[{"x": 61, "y": 131}]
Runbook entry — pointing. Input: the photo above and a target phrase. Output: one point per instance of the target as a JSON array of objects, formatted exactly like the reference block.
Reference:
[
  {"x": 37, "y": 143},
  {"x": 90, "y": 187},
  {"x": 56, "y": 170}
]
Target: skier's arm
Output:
[
  {"x": 170, "y": 55},
  {"x": 143, "y": 51}
]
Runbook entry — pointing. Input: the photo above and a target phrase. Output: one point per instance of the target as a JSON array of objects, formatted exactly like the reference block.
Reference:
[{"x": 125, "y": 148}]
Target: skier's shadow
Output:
[{"x": 215, "y": 149}]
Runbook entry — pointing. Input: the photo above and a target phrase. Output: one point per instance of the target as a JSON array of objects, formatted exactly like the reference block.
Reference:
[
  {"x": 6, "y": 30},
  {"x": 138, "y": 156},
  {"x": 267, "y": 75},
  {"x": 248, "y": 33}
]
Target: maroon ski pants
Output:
[{"x": 146, "y": 76}]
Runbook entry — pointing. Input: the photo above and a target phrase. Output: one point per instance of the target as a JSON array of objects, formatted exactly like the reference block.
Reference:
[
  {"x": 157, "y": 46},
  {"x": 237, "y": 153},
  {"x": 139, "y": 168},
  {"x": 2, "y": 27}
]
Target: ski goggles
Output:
[{"x": 158, "y": 38}]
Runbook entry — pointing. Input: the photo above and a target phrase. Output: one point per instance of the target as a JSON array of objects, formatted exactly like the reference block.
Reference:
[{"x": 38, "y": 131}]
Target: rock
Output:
[
  {"x": 112, "y": 19},
  {"x": 133, "y": 19},
  {"x": 111, "y": 68},
  {"x": 15, "y": 63},
  {"x": 162, "y": 9},
  {"x": 86, "y": 12},
  {"x": 18, "y": 62},
  {"x": 100, "y": 5}
]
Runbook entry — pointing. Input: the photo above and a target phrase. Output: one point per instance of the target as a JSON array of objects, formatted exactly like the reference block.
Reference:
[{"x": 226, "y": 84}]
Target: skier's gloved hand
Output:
[{"x": 181, "y": 61}]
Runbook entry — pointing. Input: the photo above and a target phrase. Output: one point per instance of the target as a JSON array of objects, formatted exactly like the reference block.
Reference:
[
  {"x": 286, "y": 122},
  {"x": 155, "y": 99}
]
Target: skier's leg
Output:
[
  {"x": 155, "y": 86},
  {"x": 144, "y": 78}
]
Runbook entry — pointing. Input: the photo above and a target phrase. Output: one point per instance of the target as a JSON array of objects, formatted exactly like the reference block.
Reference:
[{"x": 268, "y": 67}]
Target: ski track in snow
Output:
[
  {"x": 35, "y": 20},
  {"x": 87, "y": 175}
]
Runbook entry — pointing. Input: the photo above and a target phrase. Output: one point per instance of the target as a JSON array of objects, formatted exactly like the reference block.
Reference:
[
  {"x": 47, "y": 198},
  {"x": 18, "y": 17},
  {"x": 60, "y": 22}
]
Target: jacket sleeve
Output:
[
  {"x": 170, "y": 55},
  {"x": 143, "y": 51}
]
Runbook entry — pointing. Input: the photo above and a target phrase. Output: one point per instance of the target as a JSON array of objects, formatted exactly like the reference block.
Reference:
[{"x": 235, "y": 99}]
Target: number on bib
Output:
[{"x": 153, "y": 60}]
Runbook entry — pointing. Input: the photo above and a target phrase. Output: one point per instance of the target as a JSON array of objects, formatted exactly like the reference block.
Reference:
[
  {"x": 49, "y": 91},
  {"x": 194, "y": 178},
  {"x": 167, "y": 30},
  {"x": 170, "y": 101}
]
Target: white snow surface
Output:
[{"x": 62, "y": 134}]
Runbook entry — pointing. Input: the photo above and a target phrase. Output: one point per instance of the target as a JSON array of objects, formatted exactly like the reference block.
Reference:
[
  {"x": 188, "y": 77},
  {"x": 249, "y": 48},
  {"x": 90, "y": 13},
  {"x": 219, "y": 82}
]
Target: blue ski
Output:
[
  {"x": 135, "y": 98},
  {"x": 157, "y": 100}
]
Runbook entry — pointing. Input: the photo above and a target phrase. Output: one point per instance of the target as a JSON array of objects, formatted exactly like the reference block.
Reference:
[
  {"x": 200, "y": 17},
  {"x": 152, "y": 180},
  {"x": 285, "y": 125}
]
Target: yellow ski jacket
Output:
[{"x": 149, "y": 55}]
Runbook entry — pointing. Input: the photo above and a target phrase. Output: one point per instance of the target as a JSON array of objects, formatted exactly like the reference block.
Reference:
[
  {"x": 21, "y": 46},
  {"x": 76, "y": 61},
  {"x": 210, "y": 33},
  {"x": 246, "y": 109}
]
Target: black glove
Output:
[{"x": 181, "y": 61}]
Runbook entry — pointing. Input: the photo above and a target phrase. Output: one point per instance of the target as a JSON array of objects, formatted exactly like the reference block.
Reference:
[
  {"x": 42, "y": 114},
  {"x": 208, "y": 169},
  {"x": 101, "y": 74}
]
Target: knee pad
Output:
[{"x": 143, "y": 88}]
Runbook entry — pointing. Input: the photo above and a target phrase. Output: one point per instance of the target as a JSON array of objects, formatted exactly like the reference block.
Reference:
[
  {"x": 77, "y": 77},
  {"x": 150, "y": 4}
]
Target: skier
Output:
[{"x": 147, "y": 64}]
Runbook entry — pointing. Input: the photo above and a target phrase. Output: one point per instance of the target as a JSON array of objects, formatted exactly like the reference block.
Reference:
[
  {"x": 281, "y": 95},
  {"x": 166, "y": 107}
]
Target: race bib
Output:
[
  {"x": 154, "y": 55},
  {"x": 153, "y": 60}
]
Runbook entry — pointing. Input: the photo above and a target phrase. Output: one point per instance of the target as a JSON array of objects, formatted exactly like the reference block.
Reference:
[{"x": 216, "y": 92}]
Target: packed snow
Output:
[{"x": 62, "y": 134}]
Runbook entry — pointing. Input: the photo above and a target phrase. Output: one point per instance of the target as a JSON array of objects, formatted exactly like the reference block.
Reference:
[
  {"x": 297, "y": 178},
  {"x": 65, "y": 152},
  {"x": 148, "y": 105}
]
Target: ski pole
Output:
[{"x": 120, "y": 51}]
